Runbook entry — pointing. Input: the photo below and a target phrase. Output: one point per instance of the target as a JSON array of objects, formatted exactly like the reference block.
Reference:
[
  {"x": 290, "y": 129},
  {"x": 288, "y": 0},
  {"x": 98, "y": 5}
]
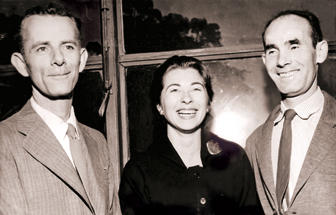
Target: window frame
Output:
[{"x": 125, "y": 60}]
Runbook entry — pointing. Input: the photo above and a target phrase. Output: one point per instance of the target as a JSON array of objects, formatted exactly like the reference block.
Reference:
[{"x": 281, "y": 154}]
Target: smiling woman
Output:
[
  {"x": 187, "y": 169},
  {"x": 184, "y": 100}
]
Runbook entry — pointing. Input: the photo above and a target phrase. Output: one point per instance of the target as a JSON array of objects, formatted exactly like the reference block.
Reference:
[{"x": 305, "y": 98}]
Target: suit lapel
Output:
[
  {"x": 322, "y": 142},
  {"x": 41, "y": 144},
  {"x": 264, "y": 156},
  {"x": 96, "y": 173}
]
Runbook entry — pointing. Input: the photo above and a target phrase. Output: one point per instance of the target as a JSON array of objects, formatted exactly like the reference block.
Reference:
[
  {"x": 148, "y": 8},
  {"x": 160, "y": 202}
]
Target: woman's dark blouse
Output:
[{"x": 158, "y": 182}]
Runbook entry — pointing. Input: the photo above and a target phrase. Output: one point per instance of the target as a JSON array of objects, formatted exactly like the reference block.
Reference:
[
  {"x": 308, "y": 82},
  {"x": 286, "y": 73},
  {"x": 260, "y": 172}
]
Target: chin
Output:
[
  {"x": 57, "y": 96},
  {"x": 188, "y": 130}
]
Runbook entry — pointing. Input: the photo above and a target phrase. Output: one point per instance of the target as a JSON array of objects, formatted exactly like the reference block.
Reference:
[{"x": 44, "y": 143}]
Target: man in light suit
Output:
[
  {"x": 294, "y": 48},
  {"x": 38, "y": 170}
]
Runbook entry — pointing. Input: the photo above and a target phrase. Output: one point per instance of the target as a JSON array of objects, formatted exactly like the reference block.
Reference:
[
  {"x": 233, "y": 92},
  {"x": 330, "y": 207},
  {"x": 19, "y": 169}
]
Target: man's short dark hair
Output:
[
  {"x": 51, "y": 8},
  {"x": 314, "y": 23}
]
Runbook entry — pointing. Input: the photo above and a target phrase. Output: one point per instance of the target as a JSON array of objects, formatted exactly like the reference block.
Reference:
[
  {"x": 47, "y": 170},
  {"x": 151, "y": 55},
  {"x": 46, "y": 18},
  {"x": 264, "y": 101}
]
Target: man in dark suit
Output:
[
  {"x": 49, "y": 162},
  {"x": 294, "y": 48}
]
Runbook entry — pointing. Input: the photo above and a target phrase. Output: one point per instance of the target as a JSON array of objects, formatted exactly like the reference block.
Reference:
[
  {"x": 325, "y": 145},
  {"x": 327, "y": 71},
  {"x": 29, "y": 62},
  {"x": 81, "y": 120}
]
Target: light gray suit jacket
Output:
[
  {"x": 315, "y": 191},
  {"x": 37, "y": 177}
]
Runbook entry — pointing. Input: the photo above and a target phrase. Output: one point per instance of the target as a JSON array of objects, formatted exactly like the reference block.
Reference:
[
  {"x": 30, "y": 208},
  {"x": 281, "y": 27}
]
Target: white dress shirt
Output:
[
  {"x": 303, "y": 129},
  {"x": 57, "y": 126}
]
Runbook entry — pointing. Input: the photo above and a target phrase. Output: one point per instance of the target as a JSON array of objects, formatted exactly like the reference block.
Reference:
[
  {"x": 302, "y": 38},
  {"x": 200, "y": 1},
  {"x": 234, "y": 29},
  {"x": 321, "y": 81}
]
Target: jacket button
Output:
[
  {"x": 203, "y": 201},
  {"x": 196, "y": 175}
]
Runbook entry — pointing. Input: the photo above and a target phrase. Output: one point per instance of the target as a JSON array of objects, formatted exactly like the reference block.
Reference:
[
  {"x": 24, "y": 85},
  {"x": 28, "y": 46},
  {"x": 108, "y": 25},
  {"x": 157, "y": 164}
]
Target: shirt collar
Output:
[
  {"x": 56, "y": 124},
  {"x": 305, "y": 109},
  {"x": 163, "y": 147}
]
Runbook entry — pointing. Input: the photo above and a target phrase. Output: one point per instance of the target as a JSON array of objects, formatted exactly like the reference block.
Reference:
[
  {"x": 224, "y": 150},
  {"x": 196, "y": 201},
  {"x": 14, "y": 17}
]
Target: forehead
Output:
[
  {"x": 286, "y": 28},
  {"x": 49, "y": 27},
  {"x": 189, "y": 75}
]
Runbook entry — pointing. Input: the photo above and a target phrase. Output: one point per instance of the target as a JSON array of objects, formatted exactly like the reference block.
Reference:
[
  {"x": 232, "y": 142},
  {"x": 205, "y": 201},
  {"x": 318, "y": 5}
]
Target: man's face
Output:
[
  {"x": 52, "y": 54},
  {"x": 290, "y": 58}
]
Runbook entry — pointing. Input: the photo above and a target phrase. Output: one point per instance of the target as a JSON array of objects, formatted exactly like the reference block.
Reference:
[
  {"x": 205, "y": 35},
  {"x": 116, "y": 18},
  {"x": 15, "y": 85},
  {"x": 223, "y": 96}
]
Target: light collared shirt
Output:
[
  {"x": 303, "y": 128},
  {"x": 58, "y": 127}
]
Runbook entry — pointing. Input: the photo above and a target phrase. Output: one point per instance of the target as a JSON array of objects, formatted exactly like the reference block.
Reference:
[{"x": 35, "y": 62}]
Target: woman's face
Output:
[{"x": 184, "y": 99}]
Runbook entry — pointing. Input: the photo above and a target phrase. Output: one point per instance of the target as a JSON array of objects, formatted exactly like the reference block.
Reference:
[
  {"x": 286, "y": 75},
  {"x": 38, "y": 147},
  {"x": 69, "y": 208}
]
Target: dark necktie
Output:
[
  {"x": 77, "y": 154},
  {"x": 284, "y": 158}
]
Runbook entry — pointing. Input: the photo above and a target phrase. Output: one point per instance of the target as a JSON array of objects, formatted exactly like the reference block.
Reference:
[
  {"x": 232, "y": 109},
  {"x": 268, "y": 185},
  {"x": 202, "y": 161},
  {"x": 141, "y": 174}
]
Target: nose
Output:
[
  {"x": 283, "y": 59},
  {"x": 186, "y": 98},
  {"x": 58, "y": 57}
]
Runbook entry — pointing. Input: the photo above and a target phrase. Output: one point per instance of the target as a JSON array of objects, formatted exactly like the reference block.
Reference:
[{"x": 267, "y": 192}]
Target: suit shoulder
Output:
[
  {"x": 8, "y": 126},
  {"x": 10, "y": 121},
  {"x": 92, "y": 132},
  {"x": 259, "y": 132},
  {"x": 256, "y": 133}
]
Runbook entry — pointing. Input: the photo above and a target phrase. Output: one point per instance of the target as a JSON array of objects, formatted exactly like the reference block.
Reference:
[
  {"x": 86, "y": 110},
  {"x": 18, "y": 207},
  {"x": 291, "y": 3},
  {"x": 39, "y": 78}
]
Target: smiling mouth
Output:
[
  {"x": 287, "y": 74},
  {"x": 187, "y": 112},
  {"x": 61, "y": 74}
]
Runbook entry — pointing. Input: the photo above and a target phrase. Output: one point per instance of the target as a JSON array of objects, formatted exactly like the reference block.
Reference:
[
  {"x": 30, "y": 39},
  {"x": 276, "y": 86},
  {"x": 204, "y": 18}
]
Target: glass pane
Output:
[
  {"x": 11, "y": 13},
  {"x": 162, "y": 25},
  {"x": 140, "y": 113},
  {"x": 16, "y": 90},
  {"x": 244, "y": 97},
  {"x": 88, "y": 96}
]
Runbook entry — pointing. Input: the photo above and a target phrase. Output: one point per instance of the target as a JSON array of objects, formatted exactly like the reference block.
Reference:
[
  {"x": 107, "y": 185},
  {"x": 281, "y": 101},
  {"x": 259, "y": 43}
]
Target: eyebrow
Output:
[
  {"x": 39, "y": 43},
  {"x": 178, "y": 85},
  {"x": 294, "y": 41},
  {"x": 290, "y": 42},
  {"x": 70, "y": 41},
  {"x": 197, "y": 83},
  {"x": 270, "y": 46},
  {"x": 173, "y": 85}
]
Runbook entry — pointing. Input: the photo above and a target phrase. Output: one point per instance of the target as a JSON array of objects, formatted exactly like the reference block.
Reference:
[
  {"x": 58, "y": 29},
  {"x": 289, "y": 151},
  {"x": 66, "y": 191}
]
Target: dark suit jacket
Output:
[
  {"x": 315, "y": 190},
  {"x": 37, "y": 177}
]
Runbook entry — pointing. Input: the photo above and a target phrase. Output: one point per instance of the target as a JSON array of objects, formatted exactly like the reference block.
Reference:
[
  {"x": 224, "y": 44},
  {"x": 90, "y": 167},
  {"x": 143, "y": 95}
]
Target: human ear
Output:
[
  {"x": 19, "y": 63},
  {"x": 160, "y": 109},
  {"x": 83, "y": 59},
  {"x": 321, "y": 51}
]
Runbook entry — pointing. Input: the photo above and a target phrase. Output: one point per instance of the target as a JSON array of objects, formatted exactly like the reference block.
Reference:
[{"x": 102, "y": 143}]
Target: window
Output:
[
  {"x": 150, "y": 31},
  {"x": 15, "y": 90}
]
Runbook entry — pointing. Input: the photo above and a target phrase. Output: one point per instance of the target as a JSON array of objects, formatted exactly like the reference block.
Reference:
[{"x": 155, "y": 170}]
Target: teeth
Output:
[
  {"x": 285, "y": 75},
  {"x": 187, "y": 112}
]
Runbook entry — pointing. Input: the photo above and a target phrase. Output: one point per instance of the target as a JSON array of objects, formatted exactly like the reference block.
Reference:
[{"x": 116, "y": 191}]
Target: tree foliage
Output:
[{"x": 146, "y": 30}]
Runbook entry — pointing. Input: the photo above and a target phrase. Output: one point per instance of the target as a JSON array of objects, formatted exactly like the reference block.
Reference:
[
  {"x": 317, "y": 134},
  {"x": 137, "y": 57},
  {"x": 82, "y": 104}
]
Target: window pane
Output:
[
  {"x": 244, "y": 97},
  {"x": 11, "y": 14},
  {"x": 162, "y": 25},
  {"x": 16, "y": 90}
]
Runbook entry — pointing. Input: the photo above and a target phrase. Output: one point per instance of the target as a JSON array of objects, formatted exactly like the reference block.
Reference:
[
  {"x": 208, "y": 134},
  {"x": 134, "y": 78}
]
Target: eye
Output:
[
  {"x": 174, "y": 90},
  {"x": 294, "y": 47},
  {"x": 197, "y": 89},
  {"x": 41, "y": 49},
  {"x": 69, "y": 47},
  {"x": 271, "y": 52}
]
